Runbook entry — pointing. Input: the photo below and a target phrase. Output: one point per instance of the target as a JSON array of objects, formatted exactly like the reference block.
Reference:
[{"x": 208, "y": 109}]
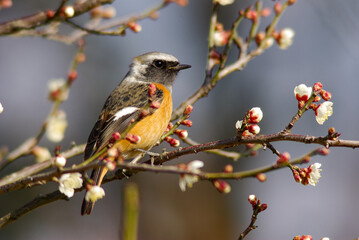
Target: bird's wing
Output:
[{"x": 123, "y": 105}]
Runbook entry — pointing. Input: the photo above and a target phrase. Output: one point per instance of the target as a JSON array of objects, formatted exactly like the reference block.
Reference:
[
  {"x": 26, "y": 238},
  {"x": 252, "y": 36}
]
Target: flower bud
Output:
[
  {"x": 155, "y": 104},
  {"x": 323, "y": 151},
  {"x": 72, "y": 76},
  {"x": 277, "y": 8},
  {"x": 222, "y": 186},
  {"x": 317, "y": 87},
  {"x": 228, "y": 168},
  {"x": 255, "y": 115},
  {"x": 325, "y": 95},
  {"x": 152, "y": 90},
  {"x": 115, "y": 137},
  {"x": 111, "y": 165},
  {"x": 283, "y": 158},
  {"x": 132, "y": 138},
  {"x": 252, "y": 199},
  {"x": 69, "y": 11},
  {"x": 60, "y": 161},
  {"x": 255, "y": 129},
  {"x": 261, "y": 177},
  {"x": 188, "y": 110},
  {"x": 187, "y": 123},
  {"x": 135, "y": 27},
  {"x": 262, "y": 207}
]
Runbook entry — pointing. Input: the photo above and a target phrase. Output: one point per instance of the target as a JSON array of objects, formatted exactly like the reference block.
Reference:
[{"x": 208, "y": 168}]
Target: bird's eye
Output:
[{"x": 159, "y": 63}]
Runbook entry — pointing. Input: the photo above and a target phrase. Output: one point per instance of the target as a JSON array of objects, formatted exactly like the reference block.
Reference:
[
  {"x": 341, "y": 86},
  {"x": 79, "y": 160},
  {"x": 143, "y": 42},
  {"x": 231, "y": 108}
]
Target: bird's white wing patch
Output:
[{"x": 124, "y": 112}]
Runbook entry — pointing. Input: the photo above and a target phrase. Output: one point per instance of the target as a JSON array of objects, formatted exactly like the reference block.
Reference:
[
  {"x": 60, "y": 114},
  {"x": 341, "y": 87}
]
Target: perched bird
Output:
[{"x": 126, "y": 102}]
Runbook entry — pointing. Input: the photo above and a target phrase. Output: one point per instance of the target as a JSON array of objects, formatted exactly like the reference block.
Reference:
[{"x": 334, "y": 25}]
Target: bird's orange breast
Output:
[{"x": 151, "y": 128}]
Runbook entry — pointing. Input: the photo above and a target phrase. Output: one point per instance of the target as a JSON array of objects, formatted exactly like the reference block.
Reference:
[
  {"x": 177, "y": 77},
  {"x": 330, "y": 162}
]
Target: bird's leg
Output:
[{"x": 151, "y": 154}]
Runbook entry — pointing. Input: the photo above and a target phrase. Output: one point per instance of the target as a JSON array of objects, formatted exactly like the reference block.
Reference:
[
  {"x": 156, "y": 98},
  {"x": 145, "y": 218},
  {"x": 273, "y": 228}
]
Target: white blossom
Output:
[
  {"x": 224, "y": 2},
  {"x": 60, "y": 161},
  {"x": 239, "y": 124},
  {"x": 255, "y": 115},
  {"x": 56, "y": 126},
  {"x": 57, "y": 89},
  {"x": 69, "y": 11},
  {"x": 94, "y": 193},
  {"x": 285, "y": 38},
  {"x": 323, "y": 111},
  {"x": 187, "y": 180},
  {"x": 68, "y": 182},
  {"x": 314, "y": 173},
  {"x": 1, "y": 108},
  {"x": 302, "y": 92}
]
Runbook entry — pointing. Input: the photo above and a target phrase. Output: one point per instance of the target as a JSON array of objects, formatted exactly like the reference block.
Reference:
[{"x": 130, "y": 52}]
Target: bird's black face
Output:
[{"x": 163, "y": 71}]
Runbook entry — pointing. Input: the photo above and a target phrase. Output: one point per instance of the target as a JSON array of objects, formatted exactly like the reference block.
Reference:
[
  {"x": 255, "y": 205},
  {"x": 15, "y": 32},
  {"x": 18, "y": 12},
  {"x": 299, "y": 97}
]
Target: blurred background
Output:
[{"x": 325, "y": 49}]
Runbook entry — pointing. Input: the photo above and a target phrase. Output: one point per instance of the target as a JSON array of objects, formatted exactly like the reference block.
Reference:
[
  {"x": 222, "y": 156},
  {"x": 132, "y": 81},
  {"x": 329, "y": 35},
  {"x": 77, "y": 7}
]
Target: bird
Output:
[{"x": 126, "y": 102}]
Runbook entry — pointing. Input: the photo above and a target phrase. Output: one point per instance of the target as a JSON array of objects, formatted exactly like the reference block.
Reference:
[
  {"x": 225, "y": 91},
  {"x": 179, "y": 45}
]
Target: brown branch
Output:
[
  {"x": 41, "y": 18},
  {"x": 131, "y": 169}
]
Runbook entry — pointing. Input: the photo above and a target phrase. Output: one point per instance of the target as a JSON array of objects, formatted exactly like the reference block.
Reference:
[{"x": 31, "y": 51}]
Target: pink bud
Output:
[
  {"x": 134, "y": 26},
  {"x": 151, "y": 89},
  {"x": 262, "y": 207},
  {"x": 115, "y": 137},
  {"x": 187, "y": 123},
  {"x": 222, "y": 186},
  {"x": 155, "y": 104},
  {"x": 317, "y": 87},
  {"x": 283, "y": 158},
  {"x": 133, "y": 138},
  {"x": 323, "y": 151},
  {"x": 188, "y": 110},
  {"x": 277, "y": 8},
  {"x": 72, "y": 76},
  {"x": 261, "y": 177},
  {"x": 325, "y": 95},
  {"x": 255, "y": 115},
  {"x": 228, "y": 168},
  {"x": 255, "y": 129}
]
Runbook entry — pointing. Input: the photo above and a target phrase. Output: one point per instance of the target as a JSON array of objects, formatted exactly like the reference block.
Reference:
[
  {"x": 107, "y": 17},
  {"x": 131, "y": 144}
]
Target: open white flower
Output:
[
  {"x": 285, "y": 38},
  {"x": 302, "y": 92},
  {"x": 239, "y": 124},
  {"x": 187, "y": 180},
  {"x": 314, "y": 173},
  {"x": 1, "y": 108},
  {"x": 94, "y": 193},
  {"x": 56, "y": 126},
  {"x": 323, "y": 111},
  {"x": 224, "y": 2},
  {"x": 68, "y": 182}
]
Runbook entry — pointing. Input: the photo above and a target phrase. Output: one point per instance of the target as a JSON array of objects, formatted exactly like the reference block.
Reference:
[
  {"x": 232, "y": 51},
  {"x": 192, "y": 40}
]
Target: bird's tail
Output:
[{"x": 97, "y": 176}]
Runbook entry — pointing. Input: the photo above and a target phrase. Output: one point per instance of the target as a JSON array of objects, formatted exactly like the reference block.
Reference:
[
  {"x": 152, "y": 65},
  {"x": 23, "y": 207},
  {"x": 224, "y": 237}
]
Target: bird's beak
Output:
[{"x": 180, "y": 67}]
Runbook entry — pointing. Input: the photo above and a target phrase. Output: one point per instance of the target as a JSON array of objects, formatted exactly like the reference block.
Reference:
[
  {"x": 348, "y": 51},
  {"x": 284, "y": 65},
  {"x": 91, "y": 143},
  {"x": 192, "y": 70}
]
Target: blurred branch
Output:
[
  {"x": 131, "y": 212},
  {"x": 25, "y": 147},
  {"x": 42, "y": 18}
]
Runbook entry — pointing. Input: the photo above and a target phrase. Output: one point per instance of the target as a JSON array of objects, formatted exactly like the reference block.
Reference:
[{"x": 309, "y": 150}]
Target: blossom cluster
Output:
[
  {"x": 256, "y": 203},
  {"x": 187, "y": 180},
  {"x": 322, "y": 110},
  {"x": 308, "y": 175},
  {"x": 249, "y": 126}
]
